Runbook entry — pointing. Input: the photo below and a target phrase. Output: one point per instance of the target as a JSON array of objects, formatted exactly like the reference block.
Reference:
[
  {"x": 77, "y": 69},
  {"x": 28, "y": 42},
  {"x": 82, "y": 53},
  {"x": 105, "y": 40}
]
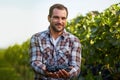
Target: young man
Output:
[{"x": 55, "y": 54}]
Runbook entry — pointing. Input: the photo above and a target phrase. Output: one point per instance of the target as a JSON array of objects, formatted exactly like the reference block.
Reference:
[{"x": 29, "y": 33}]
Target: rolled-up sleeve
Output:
[{"x": 36, "y": 56}]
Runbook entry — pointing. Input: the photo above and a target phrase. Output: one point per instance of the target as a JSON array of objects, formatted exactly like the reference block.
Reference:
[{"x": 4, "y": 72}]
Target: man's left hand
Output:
[{"x": 63, "y": 74}]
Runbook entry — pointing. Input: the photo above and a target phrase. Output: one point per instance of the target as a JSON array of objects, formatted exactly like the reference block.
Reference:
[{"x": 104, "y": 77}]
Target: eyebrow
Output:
[{"x": 57, "y": 17}]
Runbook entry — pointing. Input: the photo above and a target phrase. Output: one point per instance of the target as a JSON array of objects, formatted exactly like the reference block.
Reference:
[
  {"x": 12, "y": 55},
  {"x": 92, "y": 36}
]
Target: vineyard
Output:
[{"x": 99, "y": 34}]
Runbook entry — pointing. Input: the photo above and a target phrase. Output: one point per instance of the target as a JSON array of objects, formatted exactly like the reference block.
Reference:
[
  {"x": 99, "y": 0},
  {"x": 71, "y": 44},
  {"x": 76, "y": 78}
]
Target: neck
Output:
[{"x": 55, "y": 34}]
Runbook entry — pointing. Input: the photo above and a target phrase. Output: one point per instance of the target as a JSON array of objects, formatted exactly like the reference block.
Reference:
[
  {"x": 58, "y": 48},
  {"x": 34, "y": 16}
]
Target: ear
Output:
[{"x": 48, "y": 18}]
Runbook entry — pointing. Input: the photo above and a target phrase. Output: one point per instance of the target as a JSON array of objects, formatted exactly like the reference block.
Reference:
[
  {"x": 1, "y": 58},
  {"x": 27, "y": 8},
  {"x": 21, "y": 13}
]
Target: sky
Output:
[{"x": 20, "y": 19}]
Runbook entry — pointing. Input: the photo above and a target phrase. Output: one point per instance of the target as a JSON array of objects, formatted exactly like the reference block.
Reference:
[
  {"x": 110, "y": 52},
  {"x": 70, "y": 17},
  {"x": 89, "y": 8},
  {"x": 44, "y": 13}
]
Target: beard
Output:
[{"x": 56, "y": 27}]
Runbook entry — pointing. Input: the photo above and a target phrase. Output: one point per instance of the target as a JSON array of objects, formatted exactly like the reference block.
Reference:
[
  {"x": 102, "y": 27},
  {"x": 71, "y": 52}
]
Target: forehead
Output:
[{"x": 59, "y": 12}]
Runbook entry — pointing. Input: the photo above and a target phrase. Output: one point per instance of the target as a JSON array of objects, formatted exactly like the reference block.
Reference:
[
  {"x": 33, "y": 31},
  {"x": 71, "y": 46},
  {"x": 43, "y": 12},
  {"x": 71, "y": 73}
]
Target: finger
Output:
[
  {"x": 57, "y": 75},
  {"x": 50, "y": 74},
  {"x": 66, "y": 74},
  {"x": 61, "y": 74}
]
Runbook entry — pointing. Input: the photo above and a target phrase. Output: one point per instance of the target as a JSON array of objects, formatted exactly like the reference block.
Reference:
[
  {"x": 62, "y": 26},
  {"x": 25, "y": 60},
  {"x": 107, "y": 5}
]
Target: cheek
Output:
[
  {"x": 54, "y": 21},
  {"x": 65, "y": 23}
]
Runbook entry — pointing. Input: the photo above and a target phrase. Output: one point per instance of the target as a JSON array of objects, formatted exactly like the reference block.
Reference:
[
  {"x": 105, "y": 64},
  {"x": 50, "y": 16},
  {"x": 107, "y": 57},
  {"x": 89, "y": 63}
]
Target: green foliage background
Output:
[{"x": 99, "y": 34}]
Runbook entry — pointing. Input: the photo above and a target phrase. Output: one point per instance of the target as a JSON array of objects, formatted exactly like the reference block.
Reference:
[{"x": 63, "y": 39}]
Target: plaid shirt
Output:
[{"x": 43, "y": 51}]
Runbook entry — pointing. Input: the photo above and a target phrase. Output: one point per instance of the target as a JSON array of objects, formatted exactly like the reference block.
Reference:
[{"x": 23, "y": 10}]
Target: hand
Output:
[
  {"x": 63, "y": 74},
  {"x": 51, "y": 74}
]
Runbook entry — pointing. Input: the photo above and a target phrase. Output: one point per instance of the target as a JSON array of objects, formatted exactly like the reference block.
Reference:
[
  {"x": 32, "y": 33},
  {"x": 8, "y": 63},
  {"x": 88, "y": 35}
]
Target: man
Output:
[{"x": 55, "y": 54}]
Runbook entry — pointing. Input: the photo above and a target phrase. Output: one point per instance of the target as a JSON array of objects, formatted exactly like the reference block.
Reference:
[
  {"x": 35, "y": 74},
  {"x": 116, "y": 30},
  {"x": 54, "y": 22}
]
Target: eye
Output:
[
  {"x": 55, "y": 17},
  {"x": 63, "y": 18}
]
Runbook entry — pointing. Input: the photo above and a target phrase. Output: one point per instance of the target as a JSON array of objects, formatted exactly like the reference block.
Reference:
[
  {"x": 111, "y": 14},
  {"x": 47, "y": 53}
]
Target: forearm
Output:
[
  {"x": 76, "y": 59},
  {"x": 35, "y": 56},
  {"x": 38, "y": 67}
]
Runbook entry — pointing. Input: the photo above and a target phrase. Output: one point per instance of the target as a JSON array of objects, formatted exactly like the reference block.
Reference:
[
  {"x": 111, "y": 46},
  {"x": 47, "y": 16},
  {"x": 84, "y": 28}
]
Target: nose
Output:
[{"x": 60, "y": 20}]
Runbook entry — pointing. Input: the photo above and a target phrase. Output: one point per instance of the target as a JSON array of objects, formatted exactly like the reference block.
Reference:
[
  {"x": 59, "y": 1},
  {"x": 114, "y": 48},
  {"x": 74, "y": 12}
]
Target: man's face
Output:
[{"x": 58, "y": 20}]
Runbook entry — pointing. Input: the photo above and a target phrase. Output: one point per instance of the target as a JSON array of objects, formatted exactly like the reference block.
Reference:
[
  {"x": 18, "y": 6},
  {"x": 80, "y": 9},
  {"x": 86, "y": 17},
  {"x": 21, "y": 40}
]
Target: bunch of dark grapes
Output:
[{"x": 55, "y": 68}]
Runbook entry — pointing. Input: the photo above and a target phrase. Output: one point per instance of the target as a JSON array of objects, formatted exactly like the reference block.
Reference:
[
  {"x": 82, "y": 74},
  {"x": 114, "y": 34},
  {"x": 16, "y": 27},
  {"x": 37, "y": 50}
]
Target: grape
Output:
[{"x": 54, "y": 68}]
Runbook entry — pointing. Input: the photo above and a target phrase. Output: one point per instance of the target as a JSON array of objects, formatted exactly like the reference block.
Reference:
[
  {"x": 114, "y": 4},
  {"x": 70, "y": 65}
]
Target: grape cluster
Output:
[{"x": 54, "y": 68}]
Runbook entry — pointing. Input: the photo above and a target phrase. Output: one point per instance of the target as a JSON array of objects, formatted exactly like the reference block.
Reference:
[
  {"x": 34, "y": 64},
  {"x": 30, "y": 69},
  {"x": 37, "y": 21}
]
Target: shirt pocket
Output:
[
  {"x": 46, "y": 52},
  {"x": 63, "y": 55}
]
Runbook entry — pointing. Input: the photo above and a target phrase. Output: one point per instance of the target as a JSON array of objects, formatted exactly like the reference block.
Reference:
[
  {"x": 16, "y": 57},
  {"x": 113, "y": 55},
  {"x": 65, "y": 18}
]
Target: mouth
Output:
[{"x": 58, "y": 24}]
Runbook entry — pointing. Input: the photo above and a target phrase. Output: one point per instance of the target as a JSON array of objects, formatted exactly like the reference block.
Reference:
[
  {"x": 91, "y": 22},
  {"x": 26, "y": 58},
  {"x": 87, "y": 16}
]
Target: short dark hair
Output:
[{"x": 58, "y": 6}]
